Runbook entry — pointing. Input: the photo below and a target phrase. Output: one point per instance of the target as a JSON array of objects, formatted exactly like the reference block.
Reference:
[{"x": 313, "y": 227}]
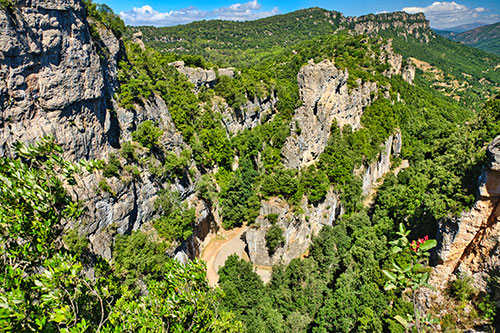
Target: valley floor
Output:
[{"x": 221, "y": 246}]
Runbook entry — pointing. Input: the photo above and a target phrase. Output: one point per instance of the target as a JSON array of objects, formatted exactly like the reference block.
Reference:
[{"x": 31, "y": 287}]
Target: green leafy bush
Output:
[
  {"x": 104, "y": 187},
  {"x": 75, "y": 242},
  {"x": 274, "y": 238},
  {"x": 461, "y": 288},
  {"x": 137, "y": 257},
  {"x": 176, "y": 220},
  {"x": 128, "y": 151},
  {"x": 6, "y": 4},
  {"x": 147, "y": 134},
  {"x": 112, "y": 167},
  {"x": 273, "y": 218}
]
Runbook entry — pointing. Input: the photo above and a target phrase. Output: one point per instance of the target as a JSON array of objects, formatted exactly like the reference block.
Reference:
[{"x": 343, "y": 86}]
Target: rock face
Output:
[
  {"x": 201, "y": 77},
  {"x": 471, "y": 243},
  {"x": 326, "y": 97},
  {"x": 132, "y": 204},
  {"x": 403, "y": 23},
  {"x": 137, "y": 39},
  {"x": 396, "y": 62},
  {"x": 52, "y": 80},
  {"x": 298, "y": 230},
  {"x": 377, "y": 169},
  {"x": 249, "y": 116}
]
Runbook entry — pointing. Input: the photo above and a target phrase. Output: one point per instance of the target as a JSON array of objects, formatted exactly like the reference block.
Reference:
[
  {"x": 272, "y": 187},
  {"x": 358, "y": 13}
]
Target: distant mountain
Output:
[
  {"x": 444, "y": 33},
  {"x": 218, "y": 40},
  {"x": 465, "y": 27},
  {"x": 462, "y": 72},
  {"x": 453, "y": 31},
  {"x": 486, "y": 38}
]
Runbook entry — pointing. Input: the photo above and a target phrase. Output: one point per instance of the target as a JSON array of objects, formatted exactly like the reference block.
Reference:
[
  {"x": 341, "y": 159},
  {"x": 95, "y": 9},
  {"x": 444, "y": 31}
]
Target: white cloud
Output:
[
  {"x": 449, "y": 14},
  {"x": 146, "y": 15}
]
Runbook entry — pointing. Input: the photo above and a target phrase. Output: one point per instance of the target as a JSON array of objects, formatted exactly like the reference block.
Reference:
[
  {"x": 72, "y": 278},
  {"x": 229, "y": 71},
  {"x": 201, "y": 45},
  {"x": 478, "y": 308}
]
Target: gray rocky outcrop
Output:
[
  {"x": 130, "y": 206},
  {"x": 201, "y": 77},
  {"x": 137, "y": 39},
  {"x": 248, "y": 116},
  {"x": 52, "y": 80},
  {"x": 395, "y": 62},
  {"x": 402, "y": 23},
  {"x": 372, "y": 172},
  {"x": 326, "y": 97},
  {"x": 298, "y": 229}
]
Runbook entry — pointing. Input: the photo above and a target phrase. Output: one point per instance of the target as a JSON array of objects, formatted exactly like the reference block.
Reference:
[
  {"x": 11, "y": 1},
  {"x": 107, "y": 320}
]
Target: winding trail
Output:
[{"x": 221, "y": 246}]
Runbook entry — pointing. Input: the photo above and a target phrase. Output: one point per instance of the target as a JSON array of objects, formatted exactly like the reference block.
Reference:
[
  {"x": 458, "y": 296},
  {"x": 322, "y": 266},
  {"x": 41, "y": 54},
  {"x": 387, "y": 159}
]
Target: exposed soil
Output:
[{"x": 222, "y": 245}]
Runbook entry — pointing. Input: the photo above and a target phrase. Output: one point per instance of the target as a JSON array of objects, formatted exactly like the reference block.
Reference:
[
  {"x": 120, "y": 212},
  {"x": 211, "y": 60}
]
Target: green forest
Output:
[{"x": 362, "y": 274}]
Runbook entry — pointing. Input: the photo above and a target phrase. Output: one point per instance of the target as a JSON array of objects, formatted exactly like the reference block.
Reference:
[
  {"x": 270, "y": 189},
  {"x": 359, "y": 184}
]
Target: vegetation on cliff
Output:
[
  {"x": 52, "y": 280},
  {"x": 44, "y": 287}
]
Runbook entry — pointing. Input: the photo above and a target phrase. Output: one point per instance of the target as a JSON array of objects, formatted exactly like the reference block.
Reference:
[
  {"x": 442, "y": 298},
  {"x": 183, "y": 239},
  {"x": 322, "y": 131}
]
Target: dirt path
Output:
[{"x": 223, "y": 244}]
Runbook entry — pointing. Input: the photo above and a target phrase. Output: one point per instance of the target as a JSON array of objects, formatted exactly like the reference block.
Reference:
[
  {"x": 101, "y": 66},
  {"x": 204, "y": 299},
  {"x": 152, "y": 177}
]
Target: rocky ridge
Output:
[
  {"x": 402, "y": 23},
  {"x": 52, "y": 80},
  {"x": 471, "y": 242},
  {"x": 201, "y": 77}
]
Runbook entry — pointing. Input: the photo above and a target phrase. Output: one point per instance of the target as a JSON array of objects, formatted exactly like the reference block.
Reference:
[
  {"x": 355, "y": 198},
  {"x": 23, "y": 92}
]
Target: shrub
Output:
[
  {"x": 74, "y": 242},
  {"x": 273, "y": 218},
  {"x": 147, "y": 134},
  {"x": 104, "y": 186},
  {"x": 128, "y": 151},
  {"x": 274, "y": 238},
  {"x": 113, "y": 166},
  {"x": 176, "y": 219},
  {"x": 206, "y": 189},
  {"x": 461, "y": 288},
  {"x": 6, "y": 4},
  {"x": 137, "y": 257}
]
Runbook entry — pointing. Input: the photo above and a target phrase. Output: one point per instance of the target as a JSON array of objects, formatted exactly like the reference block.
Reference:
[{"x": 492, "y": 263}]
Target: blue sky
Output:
[{"x": 163, "y": 13}]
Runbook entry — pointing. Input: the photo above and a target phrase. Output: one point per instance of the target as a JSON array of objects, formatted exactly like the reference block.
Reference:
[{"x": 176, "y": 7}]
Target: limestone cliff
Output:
[
  {"x": 298, "y": 228},
  {"x": 471, "y": 242},
  {"x": 327, "y": 98},
  {"x": 402, "y": 23},
  {"x": 56, "y": 78},
  {"x": 52, "y": 80},
  {"x": 251, "y": 114},
  {"x": 200, "y": 76},
  {"x": 372, "y": 172}
]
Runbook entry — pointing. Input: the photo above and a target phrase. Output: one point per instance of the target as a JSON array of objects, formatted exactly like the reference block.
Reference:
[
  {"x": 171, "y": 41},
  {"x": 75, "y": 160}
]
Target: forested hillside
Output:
[
  {"x": 486, "y": 38},
  {"x": 340, "y": 146},
  {"x": 461, "y": 72}
]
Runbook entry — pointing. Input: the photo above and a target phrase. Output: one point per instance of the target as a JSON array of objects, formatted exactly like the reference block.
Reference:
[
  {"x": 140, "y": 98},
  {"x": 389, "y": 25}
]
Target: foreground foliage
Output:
[{"x": 43, "y": 286}]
